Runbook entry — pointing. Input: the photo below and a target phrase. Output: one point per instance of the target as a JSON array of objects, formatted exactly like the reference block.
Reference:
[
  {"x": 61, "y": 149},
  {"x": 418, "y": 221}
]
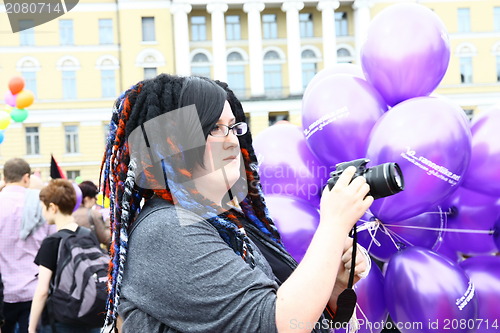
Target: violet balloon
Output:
[
  {"x": 339, "y": 68},
  {"x": 406, "y": 53},
  {"x": 484, "y": 172},
  {"x": 287, "y": 166},
  {"x": 496, "y": 235},
  {"x": 296, "y": 221},
  {"x": 10, "y": 99},
  {"x": 371, "y": 301},
  {"x": 484, "y": 272},
  {"x": 475, "y": 212},
  {"x": 429, "y": 140},
  {"x": 79, "y": 195},
  {"x": 337, "y": 116},
  {"x": 402, "y": 234},
  {"x": 424, "y": 291}
]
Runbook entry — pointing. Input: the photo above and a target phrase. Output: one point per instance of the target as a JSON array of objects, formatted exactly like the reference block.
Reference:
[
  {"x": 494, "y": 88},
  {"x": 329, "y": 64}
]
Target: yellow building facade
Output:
[{"x": 267, "y": 51}]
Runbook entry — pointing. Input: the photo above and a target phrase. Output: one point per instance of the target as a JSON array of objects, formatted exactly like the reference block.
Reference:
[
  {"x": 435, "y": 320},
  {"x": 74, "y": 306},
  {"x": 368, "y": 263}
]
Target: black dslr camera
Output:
[{"x": 384, "y": 179}]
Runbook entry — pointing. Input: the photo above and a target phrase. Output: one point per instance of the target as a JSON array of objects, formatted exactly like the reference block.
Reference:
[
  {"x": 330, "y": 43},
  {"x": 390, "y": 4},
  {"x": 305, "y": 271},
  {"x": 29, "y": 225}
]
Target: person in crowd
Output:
[
  {"x": 194, "y": 248},
  {"x": 58, "y": 199},
  {"x": 88, "y": 217},
  {"x": 22, "y": 230}
]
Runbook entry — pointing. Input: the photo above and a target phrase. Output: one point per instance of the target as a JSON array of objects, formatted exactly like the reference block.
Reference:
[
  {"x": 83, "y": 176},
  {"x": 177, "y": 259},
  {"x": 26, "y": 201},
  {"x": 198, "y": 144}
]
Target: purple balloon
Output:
[
  {"x": 337, "y": 115},
  {"x": 10, "y": 99},
  {"x": 79, "y": 195},
  {"x": 287, "y": 166},
  {"x": 484, "y": 272},
  {"x": 496, "y": 235},
  {"x": 472, "y": 211},
  {"x": 484, "y": 172},
  {"x": 339, "y": 68},
  {"x": 403, "y": 234},
  {"x": 371, "y": 300},
  {"x": 445, "y": 249},
  {"x": 296, "y": 221},
  {"x": 406, "y": 53},
  {"x": 425, "y": 291},
  {"x": 430, "y": 141}
]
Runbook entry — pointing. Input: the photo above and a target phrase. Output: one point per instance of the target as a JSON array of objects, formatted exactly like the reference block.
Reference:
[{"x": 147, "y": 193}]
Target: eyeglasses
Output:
[{"x": 221, "y": 130}]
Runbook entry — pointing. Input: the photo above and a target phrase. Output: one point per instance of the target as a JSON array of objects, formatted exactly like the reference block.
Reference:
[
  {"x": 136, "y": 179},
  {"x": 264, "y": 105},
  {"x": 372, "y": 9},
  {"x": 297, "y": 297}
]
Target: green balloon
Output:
[
  {"x": 78, "y": 179},
  {"x": 19, "y": 115}
]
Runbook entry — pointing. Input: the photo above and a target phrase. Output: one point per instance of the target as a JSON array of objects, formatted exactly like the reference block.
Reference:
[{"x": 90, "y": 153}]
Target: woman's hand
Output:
[
  {"x": 342, "y": 279},
  {"x": 347, "y": 201}
]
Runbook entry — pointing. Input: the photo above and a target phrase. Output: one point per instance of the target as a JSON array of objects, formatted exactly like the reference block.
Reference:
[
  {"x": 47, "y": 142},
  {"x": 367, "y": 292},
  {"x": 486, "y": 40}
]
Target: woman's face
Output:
[{"x": 222, "y": 158}]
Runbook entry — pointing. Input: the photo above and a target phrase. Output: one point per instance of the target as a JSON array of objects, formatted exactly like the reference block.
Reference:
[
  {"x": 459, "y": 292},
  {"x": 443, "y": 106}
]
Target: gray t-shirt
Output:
[{"x": 180, "y": 276}]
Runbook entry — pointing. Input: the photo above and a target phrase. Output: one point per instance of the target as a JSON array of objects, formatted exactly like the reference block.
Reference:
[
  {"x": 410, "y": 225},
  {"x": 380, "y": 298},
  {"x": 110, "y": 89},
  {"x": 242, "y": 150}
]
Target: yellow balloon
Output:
[
  {"x": 24, "y": 99},
  {"x": 8, "y": 108},
  {"x": 4, "y": 120},
  {"x": 99, "y": 201}
]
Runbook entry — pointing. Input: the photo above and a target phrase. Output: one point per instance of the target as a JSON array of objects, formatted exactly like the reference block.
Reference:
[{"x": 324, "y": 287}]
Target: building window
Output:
[
  {"x": 66, "y": 32},
  {"x": 344, "y": 55},
  {"x": 30, "y": 81},
  {"x": 272, "y": 74},
  {"x": 233, "y": 27},
  {"x": 108, "y": 83},
  {"x": 198, "y": 28},
  {"x": 72, "y": 174},
  {"x": 236, "y": 74},
  {"x": 105, "y": 31},
  {"x": 26, "y": 33},
  {"x": 270, "y": 26},
  {"x": 200, "y": 65},
  {"x": 496, "y": 18},
  {"x": 69, "y": 84},
  {"x": 71, "y": 138},
  {"x": 32, "y": 141},
  {"x": 463, "y": 20},
  {"x": 466, "y": 70},
  {"x": 277, "y": 116},
  {"x": 309, "y": 67},
  {"x": 469, "y": 112},
  {"x": 149, "y": 72},
  {"x": 148, "y": 29},
  {"x": 498, "y": 68},
  {"x": 306, "y": 25},
  {"x": 341, "y": 24}
]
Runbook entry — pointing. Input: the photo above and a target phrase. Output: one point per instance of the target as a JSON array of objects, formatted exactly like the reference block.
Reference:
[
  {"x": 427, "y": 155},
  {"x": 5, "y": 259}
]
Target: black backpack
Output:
[{"x": 78, "y": 291}]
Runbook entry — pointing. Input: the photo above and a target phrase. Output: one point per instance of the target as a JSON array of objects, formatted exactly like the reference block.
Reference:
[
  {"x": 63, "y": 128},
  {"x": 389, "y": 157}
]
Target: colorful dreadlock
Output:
[{"x": 145, "y": 101}]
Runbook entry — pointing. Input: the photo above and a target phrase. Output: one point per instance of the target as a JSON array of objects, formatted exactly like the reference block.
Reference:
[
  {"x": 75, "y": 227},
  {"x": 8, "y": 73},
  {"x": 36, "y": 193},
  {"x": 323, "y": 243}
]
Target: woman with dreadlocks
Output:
[{"x": 193, "y": 246}]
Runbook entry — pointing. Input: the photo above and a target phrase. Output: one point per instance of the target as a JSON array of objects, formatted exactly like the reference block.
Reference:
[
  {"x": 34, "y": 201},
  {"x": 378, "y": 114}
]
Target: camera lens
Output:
[{"x": 384, "y": 180}]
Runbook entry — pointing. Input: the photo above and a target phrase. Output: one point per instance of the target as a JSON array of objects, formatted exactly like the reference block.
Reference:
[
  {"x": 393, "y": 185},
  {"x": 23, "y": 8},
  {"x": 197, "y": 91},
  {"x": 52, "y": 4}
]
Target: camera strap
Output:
[{"x": 346, "y": 302}]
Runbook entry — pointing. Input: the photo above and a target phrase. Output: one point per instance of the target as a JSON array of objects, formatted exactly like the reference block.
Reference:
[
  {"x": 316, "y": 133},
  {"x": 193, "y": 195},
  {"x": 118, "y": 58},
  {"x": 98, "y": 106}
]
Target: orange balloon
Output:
[
  {"x": 16, "y": 84},
  {"x": 24, "y": 99}
]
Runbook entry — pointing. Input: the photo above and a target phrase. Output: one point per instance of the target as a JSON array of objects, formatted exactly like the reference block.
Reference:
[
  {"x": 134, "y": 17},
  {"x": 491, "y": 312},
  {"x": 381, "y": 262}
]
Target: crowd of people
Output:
[{"x": 192, "y": 245}]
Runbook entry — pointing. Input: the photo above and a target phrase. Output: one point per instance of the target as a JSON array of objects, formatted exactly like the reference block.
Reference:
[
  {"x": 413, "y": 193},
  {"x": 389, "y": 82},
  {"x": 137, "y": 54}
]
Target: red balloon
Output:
[{"x": 16, "y": 84}]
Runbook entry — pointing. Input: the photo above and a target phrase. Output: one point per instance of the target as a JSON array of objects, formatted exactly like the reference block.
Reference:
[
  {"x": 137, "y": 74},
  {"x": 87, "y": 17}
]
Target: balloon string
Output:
[{"x": 470, "y": 231}]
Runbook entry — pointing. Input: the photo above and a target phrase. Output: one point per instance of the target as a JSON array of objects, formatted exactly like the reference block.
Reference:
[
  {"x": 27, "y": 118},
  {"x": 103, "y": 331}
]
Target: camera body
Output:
[{"x": 384, "y": 179}]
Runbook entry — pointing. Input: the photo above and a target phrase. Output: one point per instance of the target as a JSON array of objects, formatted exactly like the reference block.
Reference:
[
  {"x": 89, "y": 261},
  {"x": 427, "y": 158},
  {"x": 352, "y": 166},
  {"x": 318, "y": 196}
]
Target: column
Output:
[
  {"x": 217, "y": 11},
  {"x": 327, "y": 9},
  {"x": 253, "y": 10},
  {"x": 293, "y": 45},
  {"x": 362, "y": 20},
  {"x": 179, "y": 11}
]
